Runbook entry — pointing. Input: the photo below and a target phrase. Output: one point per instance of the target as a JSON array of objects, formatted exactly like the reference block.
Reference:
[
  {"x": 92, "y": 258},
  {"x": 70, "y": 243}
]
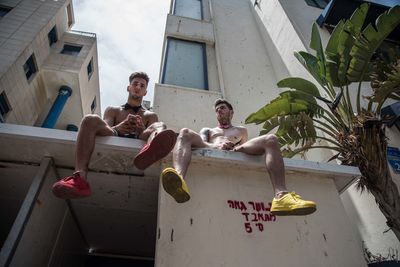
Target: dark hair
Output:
[
  {"x": 222, "y": 101},
  {"x": 139, "y": 74}
]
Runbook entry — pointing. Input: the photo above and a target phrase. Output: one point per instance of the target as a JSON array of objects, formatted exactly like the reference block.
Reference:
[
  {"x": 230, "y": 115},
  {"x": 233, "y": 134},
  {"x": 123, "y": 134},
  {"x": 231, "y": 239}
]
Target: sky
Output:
[{"x": 129, "y": 38}]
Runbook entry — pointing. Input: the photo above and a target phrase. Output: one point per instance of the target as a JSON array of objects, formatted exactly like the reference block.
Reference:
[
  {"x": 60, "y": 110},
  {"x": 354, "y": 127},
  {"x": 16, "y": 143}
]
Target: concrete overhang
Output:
[{"x": 190, "y": 29}]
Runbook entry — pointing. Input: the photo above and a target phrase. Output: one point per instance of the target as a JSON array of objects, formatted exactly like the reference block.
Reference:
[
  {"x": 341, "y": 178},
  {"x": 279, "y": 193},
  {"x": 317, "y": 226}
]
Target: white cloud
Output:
[{"x": 129, "y": 38}]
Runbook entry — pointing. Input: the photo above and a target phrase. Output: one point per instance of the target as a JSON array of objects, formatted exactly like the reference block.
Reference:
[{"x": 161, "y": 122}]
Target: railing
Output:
[{"x": 89, "y": 34}]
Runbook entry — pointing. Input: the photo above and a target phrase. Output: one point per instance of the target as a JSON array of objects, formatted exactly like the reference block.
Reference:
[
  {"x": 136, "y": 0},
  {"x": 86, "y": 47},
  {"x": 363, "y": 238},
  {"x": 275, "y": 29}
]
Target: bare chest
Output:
[{"x": 233, "y": 134}]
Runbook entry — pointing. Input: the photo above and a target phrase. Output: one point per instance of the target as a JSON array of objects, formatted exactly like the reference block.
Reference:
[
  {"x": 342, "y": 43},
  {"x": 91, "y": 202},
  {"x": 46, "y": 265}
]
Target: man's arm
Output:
[
  {"x": 245, "y": 135},
  {"x": 205, "y": 134},
  {"x": 152, "y": 118},
  {"x": 109, "y": 116}
]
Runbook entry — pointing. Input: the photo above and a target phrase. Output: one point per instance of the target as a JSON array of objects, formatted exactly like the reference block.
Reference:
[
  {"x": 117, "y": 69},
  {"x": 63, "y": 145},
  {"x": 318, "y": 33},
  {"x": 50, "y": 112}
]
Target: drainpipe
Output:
[{"x": 56, "y": 109}]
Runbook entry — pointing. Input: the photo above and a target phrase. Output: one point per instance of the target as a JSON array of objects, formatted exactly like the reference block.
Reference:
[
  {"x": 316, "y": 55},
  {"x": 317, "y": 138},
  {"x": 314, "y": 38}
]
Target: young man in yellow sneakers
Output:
[
  {"x": 130, "y": 120},
  {"x": 228, "y": 137}
]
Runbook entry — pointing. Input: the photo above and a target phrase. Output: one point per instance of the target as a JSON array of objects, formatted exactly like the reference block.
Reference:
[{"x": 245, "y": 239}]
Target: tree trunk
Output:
[{"x": 373, "y": 165}]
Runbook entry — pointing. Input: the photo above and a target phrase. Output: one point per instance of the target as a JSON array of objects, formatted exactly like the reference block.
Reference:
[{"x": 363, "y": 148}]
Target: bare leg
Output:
[
  {"x": 268, "y": 144},
  {"x": 182, "y": 154},
  {"x": 149, "y": 133},
  {"x": 91, "y": 126}
]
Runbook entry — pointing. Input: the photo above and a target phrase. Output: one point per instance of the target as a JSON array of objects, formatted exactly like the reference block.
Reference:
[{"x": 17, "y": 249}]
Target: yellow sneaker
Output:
[
  {"x": 292, "y": 204},
  {"x": 174, "y": 185}
]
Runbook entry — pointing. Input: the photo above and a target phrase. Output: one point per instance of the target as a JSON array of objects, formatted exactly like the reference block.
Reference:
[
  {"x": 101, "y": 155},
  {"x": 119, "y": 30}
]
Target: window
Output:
[
  {"x": 185, "y": 64},
  {"x": 52, "y": 36},
  {"x": 90, "y": 68},
  {"x": 93, "y": 105},
  {"x": 4, "y": 10},
  {"x": 72, "y": 50},
  {"x": 188, "y": 8},
  {"x": 4, "y": 106},
  {"x": 30, "y": 67},
  {"x": 317, "y": 3}
]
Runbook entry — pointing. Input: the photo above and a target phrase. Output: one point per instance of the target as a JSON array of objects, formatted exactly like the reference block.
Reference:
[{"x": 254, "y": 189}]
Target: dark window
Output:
[
  {"x": 93, "y": 105},
  {"x": 52, "y": 36},
  {"x": 4, "y": 10},
  {"x": 4, "y": 106},
  {"x": 317, "y": 3},
  {"x": 72, "y": 50},
  {"x": 185, "y": 64},
  {"x": 30, "y": 67},
  {"x": 90, "y": 68}
]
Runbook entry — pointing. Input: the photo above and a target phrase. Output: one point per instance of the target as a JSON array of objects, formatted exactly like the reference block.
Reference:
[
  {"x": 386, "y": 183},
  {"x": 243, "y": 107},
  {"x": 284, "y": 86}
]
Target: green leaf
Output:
[
  {"x": 331, "y": 49},
  {"x": 301, "y": 85},
  {"x": 358, "y": 17},
  {"x": 316, "y": 44},
  {"x": 388, "y": 87},
  {"x": 310, "y": 62},
  {"x": 296, "y": 129},
  {"x": 345, "y": 44},
  {"x": 369, "y": 41},
  {"x": 288, "y": 102}
]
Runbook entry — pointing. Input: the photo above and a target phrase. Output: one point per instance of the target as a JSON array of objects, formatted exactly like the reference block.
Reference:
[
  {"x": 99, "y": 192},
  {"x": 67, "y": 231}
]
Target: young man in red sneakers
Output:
[
  {"x": 130, "y": 120},
  {"x": 229, "y": 137}
]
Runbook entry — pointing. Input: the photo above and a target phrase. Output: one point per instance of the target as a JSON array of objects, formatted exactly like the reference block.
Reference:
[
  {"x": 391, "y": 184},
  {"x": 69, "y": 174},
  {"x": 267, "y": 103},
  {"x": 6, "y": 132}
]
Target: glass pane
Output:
[
  {"x": 188, "y": 8},
  {"x": 185, "y": 64}
]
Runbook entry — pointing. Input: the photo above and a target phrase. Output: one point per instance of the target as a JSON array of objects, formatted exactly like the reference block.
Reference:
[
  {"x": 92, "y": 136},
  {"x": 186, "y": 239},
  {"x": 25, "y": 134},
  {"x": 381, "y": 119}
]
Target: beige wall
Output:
[
  {"x": 181, "y": 107},
  {"x": 23, "y": 31}
]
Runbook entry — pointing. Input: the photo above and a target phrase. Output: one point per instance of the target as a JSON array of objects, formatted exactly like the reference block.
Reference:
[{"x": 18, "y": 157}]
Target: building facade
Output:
[
  {"x": 239, "y": 50},
  {"x": 48, "y": 73}
]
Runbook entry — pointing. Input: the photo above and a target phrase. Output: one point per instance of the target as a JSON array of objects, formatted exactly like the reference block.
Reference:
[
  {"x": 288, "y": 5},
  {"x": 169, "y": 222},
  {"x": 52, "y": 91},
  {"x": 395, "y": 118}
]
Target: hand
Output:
[
  {"x": 126, "y": 126},
  {"x": 225, "y": 145},
  {"x": 137, "y": 123}
]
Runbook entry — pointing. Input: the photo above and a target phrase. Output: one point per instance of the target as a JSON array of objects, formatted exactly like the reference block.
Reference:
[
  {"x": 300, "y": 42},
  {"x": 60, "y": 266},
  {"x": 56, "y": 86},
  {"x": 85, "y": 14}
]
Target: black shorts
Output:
[{"x": 131, "y": 135}]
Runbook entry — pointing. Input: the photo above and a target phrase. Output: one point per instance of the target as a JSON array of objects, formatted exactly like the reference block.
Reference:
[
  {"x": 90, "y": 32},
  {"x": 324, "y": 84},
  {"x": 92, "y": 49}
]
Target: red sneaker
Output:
[
  {"x": 157, "y": 149},
  {"x": 73, "y": 186}
]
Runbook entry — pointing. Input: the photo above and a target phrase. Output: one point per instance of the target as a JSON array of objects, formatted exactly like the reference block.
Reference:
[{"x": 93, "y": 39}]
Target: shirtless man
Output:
[
  {"x": 130, "y": 120},
  {"x": 228, "y": 137}
]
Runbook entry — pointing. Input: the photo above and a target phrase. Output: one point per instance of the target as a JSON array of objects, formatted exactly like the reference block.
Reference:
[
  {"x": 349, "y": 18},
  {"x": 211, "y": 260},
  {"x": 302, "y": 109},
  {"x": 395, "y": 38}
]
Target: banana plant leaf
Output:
[
  {"x": 389, "y": 88},
  {"x": 368, "y": 42},
  {"x": 288, "y": 102}
]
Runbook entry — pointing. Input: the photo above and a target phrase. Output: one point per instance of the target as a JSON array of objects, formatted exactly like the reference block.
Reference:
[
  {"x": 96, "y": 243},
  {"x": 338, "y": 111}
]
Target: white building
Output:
[
  {"x": 39, "y": 55},
  {"x": 239, "y": 50}
]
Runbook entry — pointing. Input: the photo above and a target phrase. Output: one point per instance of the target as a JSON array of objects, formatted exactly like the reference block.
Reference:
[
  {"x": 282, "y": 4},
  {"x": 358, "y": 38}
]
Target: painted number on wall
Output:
[{"x": 254, "y": 214}]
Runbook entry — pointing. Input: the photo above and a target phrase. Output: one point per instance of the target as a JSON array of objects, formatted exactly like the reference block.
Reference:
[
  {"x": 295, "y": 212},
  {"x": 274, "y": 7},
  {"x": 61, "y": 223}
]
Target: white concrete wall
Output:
[
  {"x": 181, "y": 107},
  {"x": 208, "y": 230},
  {"x": 246, "y": 69}
]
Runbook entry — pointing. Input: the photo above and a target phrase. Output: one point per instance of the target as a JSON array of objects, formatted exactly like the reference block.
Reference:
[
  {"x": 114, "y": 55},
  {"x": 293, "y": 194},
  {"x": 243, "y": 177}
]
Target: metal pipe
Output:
[{"x": 63, "y": 94}]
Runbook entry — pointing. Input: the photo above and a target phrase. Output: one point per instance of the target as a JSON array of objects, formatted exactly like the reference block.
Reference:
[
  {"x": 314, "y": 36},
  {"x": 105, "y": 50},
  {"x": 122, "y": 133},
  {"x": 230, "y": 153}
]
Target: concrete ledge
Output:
[
  {"x": 113, "y": 154},
  {"x": 190, "y": 29}
]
